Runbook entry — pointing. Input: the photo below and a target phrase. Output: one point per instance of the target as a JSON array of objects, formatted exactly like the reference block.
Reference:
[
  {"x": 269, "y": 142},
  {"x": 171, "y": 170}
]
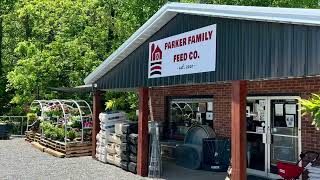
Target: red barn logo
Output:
[{"x": 156, "y": 60}]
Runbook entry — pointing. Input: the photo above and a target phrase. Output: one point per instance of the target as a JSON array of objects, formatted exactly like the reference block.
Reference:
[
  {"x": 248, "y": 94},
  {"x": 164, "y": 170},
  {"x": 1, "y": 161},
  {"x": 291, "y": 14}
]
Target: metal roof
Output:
[{"x": 309, "y": 17}]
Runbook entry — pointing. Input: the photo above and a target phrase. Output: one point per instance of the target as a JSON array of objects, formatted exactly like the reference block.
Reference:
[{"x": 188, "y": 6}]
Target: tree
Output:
[
  {"x": 5, "y": 7},
  {"x": 62, "y": 41}
]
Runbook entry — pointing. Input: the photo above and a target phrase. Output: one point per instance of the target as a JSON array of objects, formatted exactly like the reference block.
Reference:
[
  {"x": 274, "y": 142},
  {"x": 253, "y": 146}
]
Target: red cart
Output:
[{"x": 293, "y": 171}]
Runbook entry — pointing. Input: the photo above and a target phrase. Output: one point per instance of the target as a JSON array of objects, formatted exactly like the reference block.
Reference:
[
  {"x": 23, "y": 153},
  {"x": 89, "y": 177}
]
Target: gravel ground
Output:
[{"x": 19, "y": 160}]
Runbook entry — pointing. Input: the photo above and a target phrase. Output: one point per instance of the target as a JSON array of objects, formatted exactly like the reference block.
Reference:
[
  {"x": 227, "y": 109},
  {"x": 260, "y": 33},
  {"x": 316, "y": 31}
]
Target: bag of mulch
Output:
[
  {"x": 133, "y": 158},
  {"x": 133, "y": 149},
  {"x": 132, "y": 167},
  {"x": 133, "y": 138},
  {"x": 124, "y": 165},
  {"x": 122, "y": 147}
]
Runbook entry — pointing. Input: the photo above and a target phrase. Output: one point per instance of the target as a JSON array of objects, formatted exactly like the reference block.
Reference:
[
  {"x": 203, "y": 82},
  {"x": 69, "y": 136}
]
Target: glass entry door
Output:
[
  {"x": 257, "y": 117},
  {"x": 273, "y": 133}
]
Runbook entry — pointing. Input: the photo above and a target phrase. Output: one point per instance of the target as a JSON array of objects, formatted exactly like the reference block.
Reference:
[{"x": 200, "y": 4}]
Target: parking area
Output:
[{"x": 19, "y": 160}]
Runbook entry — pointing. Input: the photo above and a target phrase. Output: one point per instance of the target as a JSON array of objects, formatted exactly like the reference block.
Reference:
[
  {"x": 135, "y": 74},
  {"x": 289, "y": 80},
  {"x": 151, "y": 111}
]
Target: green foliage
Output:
[
  {"x": 31, "y": 117},
  {"x": 47, "y": 128},
  {"x": 311, "y": 107},
  {"x": 58, "y": 43},
  {"x": 52, "y": 131},
  {"x": 75, "y": 122},
  {"x": 124, "y": 101},
  {"x": 35, "y": 109},
  {"x": 58, "y": 133},
  {"x": 71, "y": 134}
]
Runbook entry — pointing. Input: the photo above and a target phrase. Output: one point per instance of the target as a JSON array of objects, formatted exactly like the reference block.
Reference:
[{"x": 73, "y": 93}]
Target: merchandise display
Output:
[
  {"x": 65, "y": 121},
  {"x": 113, "y": 145}
]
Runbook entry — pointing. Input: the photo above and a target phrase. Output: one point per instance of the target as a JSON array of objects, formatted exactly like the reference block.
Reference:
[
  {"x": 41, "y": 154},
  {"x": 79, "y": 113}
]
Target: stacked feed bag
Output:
[
  {"x": 118, "y": 142},
  {"x": 118, "y": 148},
  {"x": 109, "y": 119},
  {"x": 122, "y": 133},
  {"x": 133, "y": 150},
  {"x": 314, "y": 172},
  {"x": 101, "y": 151},
  {"x": 105, "y": 150}
]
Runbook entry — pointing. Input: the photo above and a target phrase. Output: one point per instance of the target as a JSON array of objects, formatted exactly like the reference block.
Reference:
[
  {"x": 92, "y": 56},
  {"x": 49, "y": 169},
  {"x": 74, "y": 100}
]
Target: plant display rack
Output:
[
  {"x": 71, "y": 149},
  {"x": 65, "y": 126}
]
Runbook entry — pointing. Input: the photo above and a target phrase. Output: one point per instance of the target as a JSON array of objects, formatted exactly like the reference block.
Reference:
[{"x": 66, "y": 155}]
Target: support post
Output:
[
  {"x": 143, "y": 146},
  {"x": 238, "y": 130},
  {"x": 97, "y": 109}
]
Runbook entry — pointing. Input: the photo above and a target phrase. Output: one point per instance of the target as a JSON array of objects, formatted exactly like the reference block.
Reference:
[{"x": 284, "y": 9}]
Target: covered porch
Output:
[{"x": 170, "y": 169}]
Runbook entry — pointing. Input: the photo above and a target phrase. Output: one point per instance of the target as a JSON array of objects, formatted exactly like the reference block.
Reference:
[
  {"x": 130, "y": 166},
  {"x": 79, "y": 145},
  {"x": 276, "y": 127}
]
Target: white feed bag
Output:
[
  {"x": 110, "y": 147},
  {"x": 110, "y": 158},
  {"x": 109, "y": 116},
  {"x": 117, "y": 160}
]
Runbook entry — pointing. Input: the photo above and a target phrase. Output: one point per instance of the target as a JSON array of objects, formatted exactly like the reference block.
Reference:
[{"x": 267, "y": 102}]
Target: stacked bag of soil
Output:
[
  {"x": 101, "y": 151},
  {"x": 133, "y": 150},
  {"x": 126, "y": 155},
  {"x": 106, "y": 138},
  {"x": 117, "y": 141}
]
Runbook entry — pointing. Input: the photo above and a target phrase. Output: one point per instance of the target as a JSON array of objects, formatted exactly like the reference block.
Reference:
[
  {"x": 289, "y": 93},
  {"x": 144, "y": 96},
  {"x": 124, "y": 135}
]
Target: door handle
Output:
[
  {"x": 264, "y": 138},
  {"x": 269, "y": 138}
]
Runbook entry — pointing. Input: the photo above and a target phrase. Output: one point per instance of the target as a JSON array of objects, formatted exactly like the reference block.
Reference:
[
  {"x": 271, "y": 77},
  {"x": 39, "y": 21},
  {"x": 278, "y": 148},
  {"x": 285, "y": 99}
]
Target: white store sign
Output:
[{"x": 186, "y": 53}]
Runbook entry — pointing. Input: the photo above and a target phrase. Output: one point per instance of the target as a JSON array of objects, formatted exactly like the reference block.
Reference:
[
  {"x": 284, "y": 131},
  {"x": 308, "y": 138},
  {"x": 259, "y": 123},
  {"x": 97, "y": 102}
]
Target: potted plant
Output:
[
  {"x": 311, "y": 107},
  {"x": 60, "y": 133},
  {"x": 33, "y": 122},
  {"x": 71, "y": 134},
  {"x": 47, "y": 128}
]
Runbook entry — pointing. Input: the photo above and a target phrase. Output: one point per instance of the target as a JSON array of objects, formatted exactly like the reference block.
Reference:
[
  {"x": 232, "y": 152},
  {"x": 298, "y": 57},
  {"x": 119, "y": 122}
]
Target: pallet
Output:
[
  {"x": 72, "y": 149},
  {"x": 29, "y": 136}
]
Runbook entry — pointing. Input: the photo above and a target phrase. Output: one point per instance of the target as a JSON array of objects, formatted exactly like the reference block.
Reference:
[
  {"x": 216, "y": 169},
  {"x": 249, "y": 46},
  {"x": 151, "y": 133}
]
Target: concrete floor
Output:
[{"x": 174, "y": 172}]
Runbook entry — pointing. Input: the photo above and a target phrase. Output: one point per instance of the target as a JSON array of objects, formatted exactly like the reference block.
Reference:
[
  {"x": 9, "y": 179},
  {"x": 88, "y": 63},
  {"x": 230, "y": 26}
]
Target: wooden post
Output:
[
  {"x": 238, "y": 130},
  {"x": 143, "y": 146},
  {"x": 97, "y": 109}
]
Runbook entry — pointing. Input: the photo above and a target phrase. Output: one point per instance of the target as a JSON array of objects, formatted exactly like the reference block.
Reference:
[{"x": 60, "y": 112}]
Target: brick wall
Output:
[
  {"x": 221, "y": 94},
  {"x": 221, "y": 102}
]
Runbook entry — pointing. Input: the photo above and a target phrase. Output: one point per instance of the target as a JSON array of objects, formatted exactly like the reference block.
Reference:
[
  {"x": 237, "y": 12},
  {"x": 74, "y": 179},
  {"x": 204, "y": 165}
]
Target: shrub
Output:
[{"x": 311, "y": 107}]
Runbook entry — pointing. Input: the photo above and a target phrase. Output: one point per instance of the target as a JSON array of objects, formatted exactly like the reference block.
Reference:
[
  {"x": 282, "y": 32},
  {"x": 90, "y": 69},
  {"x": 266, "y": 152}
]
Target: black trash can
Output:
[
  {"x": 216, "y": 154},
  {"x": 4, "y": 131}
]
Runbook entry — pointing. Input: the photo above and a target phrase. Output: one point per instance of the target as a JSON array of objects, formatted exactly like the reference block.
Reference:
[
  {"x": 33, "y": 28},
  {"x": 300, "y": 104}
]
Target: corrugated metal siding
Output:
[{"x": 245, "y": 50}]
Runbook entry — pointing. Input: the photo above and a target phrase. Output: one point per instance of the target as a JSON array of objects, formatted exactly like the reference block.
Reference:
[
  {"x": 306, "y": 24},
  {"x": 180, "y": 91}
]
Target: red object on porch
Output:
[
  {"x": 238, "y": 130},
  {"x": 143, "y": 146},
  {"x": 289, "y": 171},
  {"x": 97, "y": 109}
]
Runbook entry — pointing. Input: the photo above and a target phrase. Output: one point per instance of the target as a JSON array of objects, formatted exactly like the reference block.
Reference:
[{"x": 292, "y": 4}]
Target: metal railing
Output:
[{"x": 19, "y": 124}]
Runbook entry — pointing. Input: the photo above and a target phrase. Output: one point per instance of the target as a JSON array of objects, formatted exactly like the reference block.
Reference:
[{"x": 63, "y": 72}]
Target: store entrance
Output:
[{"x": 273, "y": 133}]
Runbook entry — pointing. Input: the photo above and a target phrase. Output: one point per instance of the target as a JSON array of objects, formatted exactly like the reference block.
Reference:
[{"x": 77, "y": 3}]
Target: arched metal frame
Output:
[{"x": 82, "y": 107}]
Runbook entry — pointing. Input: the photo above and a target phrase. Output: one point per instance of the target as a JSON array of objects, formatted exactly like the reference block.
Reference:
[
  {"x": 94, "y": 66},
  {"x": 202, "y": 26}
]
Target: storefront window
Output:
[{"x": 185, "y": 112}]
